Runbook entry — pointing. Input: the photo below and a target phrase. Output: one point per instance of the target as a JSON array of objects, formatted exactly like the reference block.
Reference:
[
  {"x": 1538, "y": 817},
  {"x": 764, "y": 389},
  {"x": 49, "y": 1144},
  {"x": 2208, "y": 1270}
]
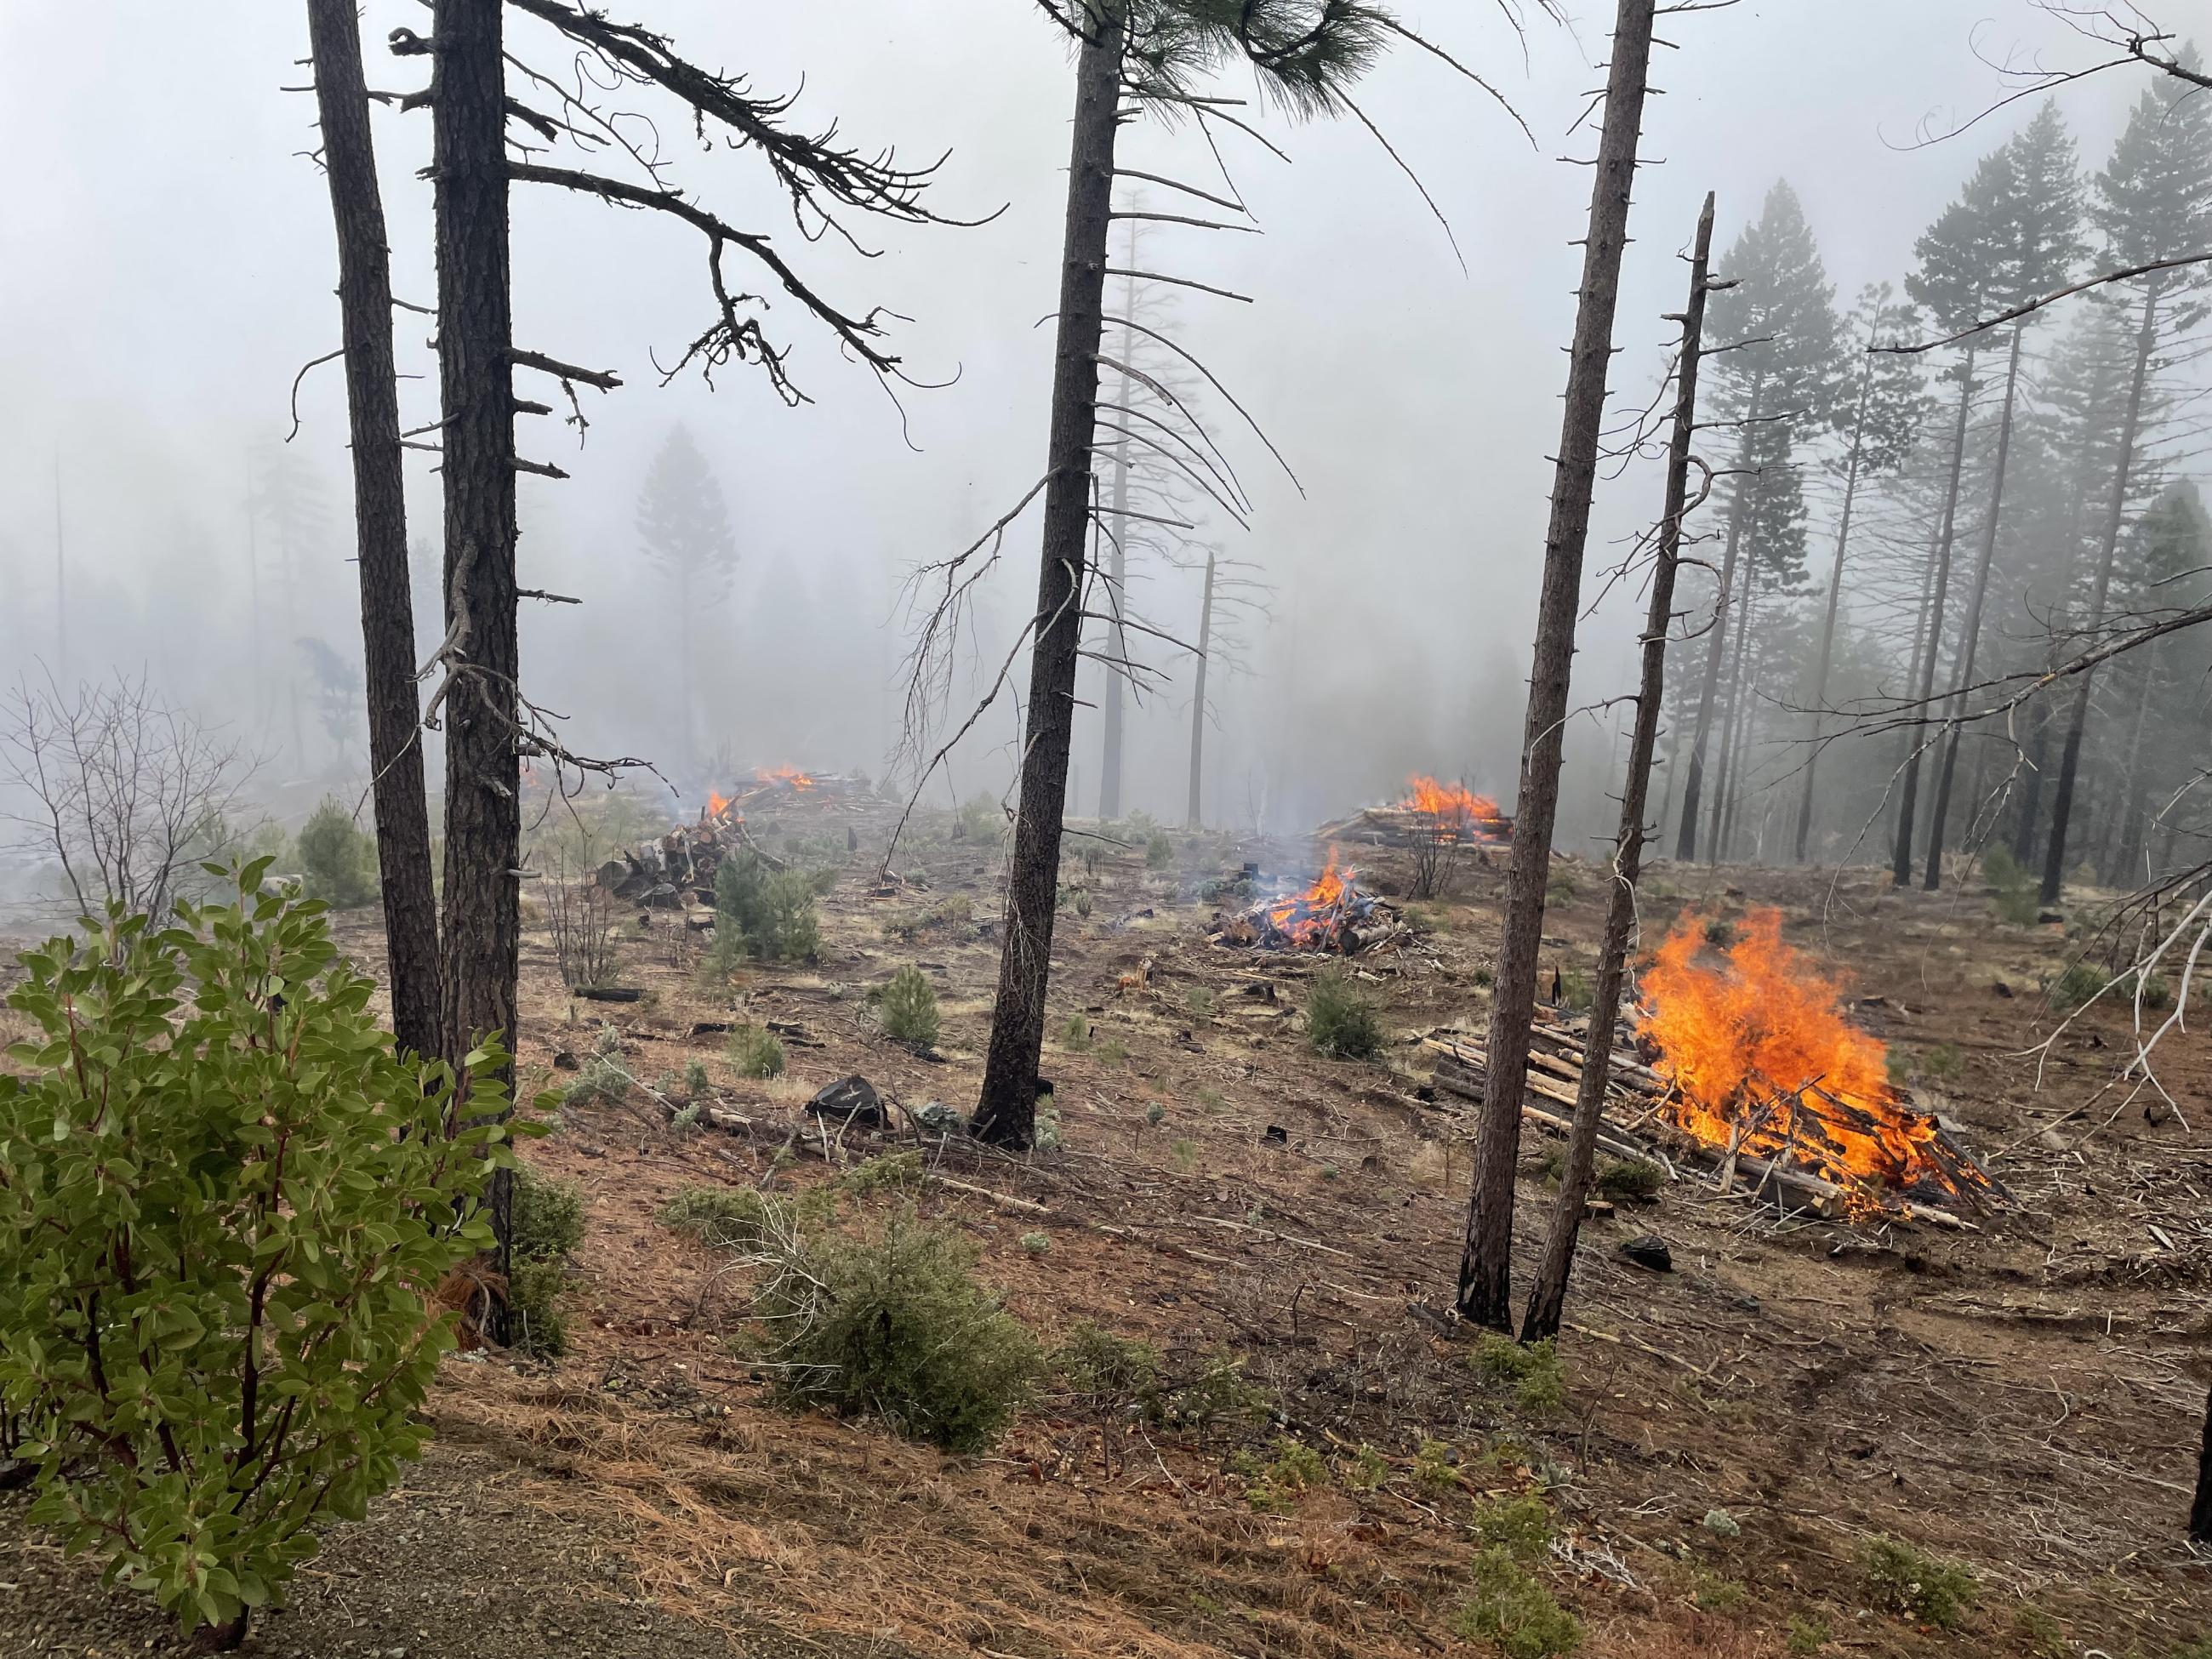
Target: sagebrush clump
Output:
[
  {"x": 243, "y": 1293},
  {"x": 907, "y": 1008},
  {"x": 1341, "y": 1021},
  {"x": 893, "y": 1325}
]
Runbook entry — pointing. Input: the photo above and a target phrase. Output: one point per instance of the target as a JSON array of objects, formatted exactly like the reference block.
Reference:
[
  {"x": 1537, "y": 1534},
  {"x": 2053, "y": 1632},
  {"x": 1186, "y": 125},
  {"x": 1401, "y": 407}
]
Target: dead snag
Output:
[
  {"x": 1549, "y": 1297},
  {"x": 1485, "y": 1295}
]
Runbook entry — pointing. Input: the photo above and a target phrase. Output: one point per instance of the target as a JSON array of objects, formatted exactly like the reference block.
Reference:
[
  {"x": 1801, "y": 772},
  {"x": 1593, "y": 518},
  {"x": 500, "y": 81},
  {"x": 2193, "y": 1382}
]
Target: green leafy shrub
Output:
[
  {"x": 979, "y": 819},
  {"x": 1714, "y": 1594},
  {"x": 548, "y": 1221},
  {"x": 1631, "y": 1178},
  {"x": 1075, "y": 1036},
  {"x": 535, "y": 1322},
  {"x": 1808, "y": 1634},
  {"x": 1219, "y": 1395},
  {"x": 1296, "y": 1469},
  {"x": 223, "y": 1215},
  {"x": 894, "y": 1326},
  {"x": 1037, "y": 1245},
  {"x": 1198, "y": 1001},
  {"x": 1340, "y": 1018},
  {"x": 338, "y": 858},
  {"x": 1111, "y": 1052},
  {"x": 1435, "y": 1466},
  {"x": 2041, "y": 1637},
  {"x": 1183, "y": 1154},
  {"x": 907, "y": 1008},
  {"x": 1511, "y": 1609},
  {"x": 754, "y": 1051},
  {"x": 761, "y": 914},
  {"x": 1106, "y": 1372},
  {"x": 696, "y": 1082},
  {"x": 1535, "y": 1374},
  {"x": 601, "y": 1079},
  {"x": 1159, "y": 853},
  {"x": 2077, "y": 986},
  {"x": 1902, "y": 1579},
  {"x": 1370, "y": 1469}
]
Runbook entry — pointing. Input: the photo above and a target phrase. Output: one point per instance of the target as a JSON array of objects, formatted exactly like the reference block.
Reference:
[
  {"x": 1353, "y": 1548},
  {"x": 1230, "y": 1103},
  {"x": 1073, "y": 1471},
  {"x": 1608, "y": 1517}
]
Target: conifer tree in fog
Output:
[
  {"x": 1880, "y": 425},
  {"x": 2151, "y": 200},
  {"x": 1774, "y": 376},
  {"x": 684, "y": 525},
  {"x": 2034, "y": 241},
  {"x": 1150, "y": 55}
]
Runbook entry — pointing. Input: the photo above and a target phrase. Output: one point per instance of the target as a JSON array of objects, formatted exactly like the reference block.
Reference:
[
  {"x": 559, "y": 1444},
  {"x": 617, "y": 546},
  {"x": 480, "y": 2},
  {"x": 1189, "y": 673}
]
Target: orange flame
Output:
[
  {"x": 1443, "y": 800},
  {"x": 717, "y": 803},
  {"x": 1764, "y": 1061},
  {"x": 790, "y": 775},
  {"x": 1305, "y": 918}
]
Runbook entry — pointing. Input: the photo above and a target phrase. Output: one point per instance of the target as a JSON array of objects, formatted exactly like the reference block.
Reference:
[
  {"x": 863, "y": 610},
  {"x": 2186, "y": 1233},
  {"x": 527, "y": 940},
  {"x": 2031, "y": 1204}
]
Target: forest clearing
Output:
[
  {"x": 1725, "y": 1440},
  {"x": 618, "y": 1038}
]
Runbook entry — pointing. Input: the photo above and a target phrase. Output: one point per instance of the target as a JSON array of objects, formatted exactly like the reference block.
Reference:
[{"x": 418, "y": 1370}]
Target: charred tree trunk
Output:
[
  {"x": 1694, "y": 781},
  {"x": 2200, "y": 1512},
  {"x": 1117, "y": 570},
  {"x": 1923, "y": 693},
  {"x": 484, "y": 782},
  {"x": 1006, "y": 1113},
  {"x": 1484, "y": 1294},
  {"x": 2030, "y": 785},
  {"x": 1970, "y": 640},
  {"x": 2062, "y": 801},
  {"x": 1192, "y": 815},
  {"x": 1549, "y": 1299},
  {"x": 379, "y": 506},
  {"x": 1728, "y": 784},
  {"x": 1835, "y": 598}
]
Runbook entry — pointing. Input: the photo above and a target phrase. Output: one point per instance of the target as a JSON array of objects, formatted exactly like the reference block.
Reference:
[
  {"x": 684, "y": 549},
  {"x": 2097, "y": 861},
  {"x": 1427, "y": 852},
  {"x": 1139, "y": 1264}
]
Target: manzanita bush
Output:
[{"x": 224, "y": 1205}]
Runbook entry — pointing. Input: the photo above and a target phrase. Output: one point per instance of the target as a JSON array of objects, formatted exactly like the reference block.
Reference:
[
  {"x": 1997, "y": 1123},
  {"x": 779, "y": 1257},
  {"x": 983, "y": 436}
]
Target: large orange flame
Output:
[
  {"x": 1306, "y": 919},
  {"x": 1447, "y": 800},
  {"x": 790, "y": 775},
  {"x": 717, "y": 803},
  {"x": 1764, "y": 1061}
]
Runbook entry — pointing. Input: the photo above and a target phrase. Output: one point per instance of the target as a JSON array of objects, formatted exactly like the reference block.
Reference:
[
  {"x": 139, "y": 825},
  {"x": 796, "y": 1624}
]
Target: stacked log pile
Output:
[
  {"x": 1638, "y": 1123},
  {"x": 1334, "y": 917},
  {"x": 1409, "y": 826}
]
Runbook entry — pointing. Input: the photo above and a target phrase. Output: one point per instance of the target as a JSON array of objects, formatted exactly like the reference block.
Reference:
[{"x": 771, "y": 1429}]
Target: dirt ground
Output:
[{"x": 2025, "y": 1398}]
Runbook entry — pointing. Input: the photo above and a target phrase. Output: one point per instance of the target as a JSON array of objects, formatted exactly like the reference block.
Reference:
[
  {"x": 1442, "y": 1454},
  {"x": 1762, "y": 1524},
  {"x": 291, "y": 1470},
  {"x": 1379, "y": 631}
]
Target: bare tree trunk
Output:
[
  {"x": 1728, "y": 785},
  {"x": 2031, "y": 789},
  {"x": 475, "y": 341},
  {"x": 2200, "y": 1510},
  {"x": 1192, "y": 816},
  {"x": 1117, "y": 570},
  {"x": 1694, "y": 782},
  {"x": 1970, "y": 640},
  {"x": 2133, "y": 784},
  {"x": 387, "y": 605},
  {"x": 1544, "y": 1305},
  {"x": 2062, "y": 803},
  {"x": 1485, "y": 1295},
  {"x": 1006, "y": 1113},
  {"x": 1923, "y": 693},
  {"x": 1835, "y": 598}
]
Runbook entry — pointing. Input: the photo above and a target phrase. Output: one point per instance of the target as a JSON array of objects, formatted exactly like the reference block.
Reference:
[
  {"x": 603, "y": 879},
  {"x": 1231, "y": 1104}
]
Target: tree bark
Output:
[
  {"x": 1006, "y": 1112},
  {"x": 1192, "y": 818},
  {"x": 1484, "y": 1294},
  {"x": 1694, "y": 781},
  {"x": 2134, "y": 783},
  {"x": 484, "y": 782},
  {"x": 1117, "y": 570},
  {"x": 379, "y": 507},
  {"x": 1924, "y": 693},
  {"x": 2116, "y": 508},
  {"x": 1970, "y": 640},
  {"x": 1549, "y": 1299},
  {"x": 1835, "y": 598},
  {"x": 1728, "y": 784}
]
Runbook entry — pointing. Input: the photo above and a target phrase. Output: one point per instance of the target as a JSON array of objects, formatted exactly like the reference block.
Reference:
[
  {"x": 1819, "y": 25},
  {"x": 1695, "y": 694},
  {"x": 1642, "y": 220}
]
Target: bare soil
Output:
[{"x": 2026, "y": 1398}]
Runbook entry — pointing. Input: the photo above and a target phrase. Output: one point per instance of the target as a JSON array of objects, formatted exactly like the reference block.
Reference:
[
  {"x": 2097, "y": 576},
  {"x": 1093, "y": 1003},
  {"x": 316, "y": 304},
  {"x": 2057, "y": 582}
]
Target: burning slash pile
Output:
[
  {"x": 1751, "y": 1068},
  {"x": 679, "y": 869},
  {"x": 1430, "y": 813},
  {"x": 1333, "y": 914}
]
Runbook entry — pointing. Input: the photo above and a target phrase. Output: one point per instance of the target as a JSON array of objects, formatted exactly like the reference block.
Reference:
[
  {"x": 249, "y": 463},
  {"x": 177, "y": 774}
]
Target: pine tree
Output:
[
  {"x": 684, "y": 525},
  {"x": 1879, "y": 433},
  {"x": 2152, "y": 200},
  {"x": 1775, "y": 373}
]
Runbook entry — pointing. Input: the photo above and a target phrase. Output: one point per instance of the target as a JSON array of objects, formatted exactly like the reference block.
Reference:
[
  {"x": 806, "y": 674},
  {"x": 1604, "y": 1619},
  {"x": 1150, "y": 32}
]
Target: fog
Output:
[{"x": 169, "y": 268}]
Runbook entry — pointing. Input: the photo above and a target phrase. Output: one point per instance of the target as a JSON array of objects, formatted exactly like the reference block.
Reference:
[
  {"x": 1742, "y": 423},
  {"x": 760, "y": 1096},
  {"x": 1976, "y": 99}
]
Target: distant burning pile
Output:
[
  {"x": 1431, "y": 813},
  {"x": 1763, "y": 1064},
  {"x": 1332, "y": 914}
]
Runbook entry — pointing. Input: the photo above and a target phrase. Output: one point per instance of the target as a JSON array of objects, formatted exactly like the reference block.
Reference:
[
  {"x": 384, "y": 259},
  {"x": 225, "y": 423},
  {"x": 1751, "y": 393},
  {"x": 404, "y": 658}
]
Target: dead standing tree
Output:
[
  {"x": 1486, "y": 1257},
  {"x": 491, "y": 724},
  {"x": 1547, "y": 1302},
  {"x": 379, "y": 506}
]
